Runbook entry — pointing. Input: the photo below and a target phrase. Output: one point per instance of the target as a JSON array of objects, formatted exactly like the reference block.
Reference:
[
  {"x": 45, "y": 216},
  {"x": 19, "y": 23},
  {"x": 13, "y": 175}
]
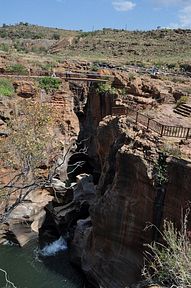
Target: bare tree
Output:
[{"x": 30, "y": 146}]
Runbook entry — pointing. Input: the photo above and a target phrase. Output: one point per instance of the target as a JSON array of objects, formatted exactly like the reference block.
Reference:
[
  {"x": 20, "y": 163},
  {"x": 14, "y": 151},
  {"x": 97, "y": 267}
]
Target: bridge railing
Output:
[{"x": 149, "y": 123}]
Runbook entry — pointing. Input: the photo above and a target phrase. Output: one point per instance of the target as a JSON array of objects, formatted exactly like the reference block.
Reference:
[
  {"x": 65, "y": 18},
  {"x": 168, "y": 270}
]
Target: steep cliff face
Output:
[
  {"x": 63, "y": 103},
  {"x": 178, "y": 193},
  {"x": 127, "y": 199},
  {"x": 125, "y": 196},
  {"x": 97, "y": 107}
]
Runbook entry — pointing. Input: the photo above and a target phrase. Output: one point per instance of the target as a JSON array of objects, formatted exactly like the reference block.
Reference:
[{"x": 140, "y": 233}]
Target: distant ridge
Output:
[{"x": 156, "y": 47}]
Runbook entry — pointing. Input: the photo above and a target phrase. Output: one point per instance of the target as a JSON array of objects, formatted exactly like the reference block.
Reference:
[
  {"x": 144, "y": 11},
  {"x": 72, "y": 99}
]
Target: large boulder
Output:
[
  {"x": 120, "y": 80},
  {"x": 85, "y": 188},
  {"x": 25, "y": 89},
  {"x": 62, "y": 193},
  {"x": 25, "y": 220},
  {"x": 135, "y": 86}
]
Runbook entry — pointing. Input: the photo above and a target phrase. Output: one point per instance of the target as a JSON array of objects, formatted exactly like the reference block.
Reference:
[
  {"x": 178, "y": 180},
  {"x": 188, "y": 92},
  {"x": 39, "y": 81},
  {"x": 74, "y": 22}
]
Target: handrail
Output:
[
  {"x": 150, "y": 123},
  {"x": 68, "y": 76}
]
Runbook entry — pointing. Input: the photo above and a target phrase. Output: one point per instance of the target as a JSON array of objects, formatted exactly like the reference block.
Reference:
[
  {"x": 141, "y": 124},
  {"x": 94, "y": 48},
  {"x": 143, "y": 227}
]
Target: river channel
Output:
[{"x": 30, "y": 268}]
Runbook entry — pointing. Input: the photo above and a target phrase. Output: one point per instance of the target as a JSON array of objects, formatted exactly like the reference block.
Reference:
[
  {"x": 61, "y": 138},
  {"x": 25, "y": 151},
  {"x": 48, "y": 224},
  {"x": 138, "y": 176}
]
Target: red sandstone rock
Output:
[
  {"x": 112, "y": 250},
  {"x": 25, "y": 89}
]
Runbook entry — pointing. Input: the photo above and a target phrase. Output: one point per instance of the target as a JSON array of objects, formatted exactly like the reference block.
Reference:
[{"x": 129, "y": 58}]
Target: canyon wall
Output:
[
  {"x": 109, "y": 244},
  {"x": 107, "y": 240}
]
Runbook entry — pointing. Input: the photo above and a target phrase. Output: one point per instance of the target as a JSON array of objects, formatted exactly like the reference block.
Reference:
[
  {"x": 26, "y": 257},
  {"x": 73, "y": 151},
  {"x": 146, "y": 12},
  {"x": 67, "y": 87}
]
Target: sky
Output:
[{"x": 91, "y": 15}]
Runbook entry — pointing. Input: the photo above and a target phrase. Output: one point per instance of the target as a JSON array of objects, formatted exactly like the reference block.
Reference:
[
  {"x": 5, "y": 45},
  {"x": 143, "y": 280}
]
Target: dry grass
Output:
[{"x": 169, "y": 264}]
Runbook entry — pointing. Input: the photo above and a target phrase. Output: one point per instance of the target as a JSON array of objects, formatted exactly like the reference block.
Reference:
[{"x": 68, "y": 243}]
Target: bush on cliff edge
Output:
[
  {"x": 169, "y": 264},
  {"x": 49, "y": 84}
]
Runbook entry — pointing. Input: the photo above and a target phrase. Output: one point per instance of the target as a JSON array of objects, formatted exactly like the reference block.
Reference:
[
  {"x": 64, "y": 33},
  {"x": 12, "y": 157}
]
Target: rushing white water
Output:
[{"x": 54, "y": 247}]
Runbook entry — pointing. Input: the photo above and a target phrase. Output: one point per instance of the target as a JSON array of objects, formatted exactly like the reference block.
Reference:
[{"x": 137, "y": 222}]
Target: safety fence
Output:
[{"x": 149, "y": 123}]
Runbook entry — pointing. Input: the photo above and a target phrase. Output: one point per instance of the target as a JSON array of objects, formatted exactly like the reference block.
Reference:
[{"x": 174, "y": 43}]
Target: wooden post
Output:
[
  {"x": 162, "y": 130},
  {"x": 137, "y": 115},
  {"x": 148, "y": 123},
  {"x": 188, "y": 132},
  {"x": 111, "y": 105}
]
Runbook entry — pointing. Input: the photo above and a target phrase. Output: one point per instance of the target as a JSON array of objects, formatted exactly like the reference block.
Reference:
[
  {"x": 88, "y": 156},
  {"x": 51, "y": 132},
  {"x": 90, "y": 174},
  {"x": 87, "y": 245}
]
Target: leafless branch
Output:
[
  {"x": 22, "y": 184},
  {"x": 8, "y": 282},
  {"x": 80, "y": 164}
]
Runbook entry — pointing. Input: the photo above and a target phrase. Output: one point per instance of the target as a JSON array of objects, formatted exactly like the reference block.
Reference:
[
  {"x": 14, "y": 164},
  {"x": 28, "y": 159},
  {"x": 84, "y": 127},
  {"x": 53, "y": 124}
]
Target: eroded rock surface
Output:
[
  {"x": 26, "y": 219},
  {"x": 111, "y": 250},
  {"x": 25, "y": 89}
]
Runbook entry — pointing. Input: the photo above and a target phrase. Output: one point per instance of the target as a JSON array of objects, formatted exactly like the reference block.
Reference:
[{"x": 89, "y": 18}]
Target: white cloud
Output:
[
  {"x": 185, "y": 17},
  {"x": 123, "y": 5},
  {"x": 183, "y": 11},
  {"x": 172, "y": 2}
]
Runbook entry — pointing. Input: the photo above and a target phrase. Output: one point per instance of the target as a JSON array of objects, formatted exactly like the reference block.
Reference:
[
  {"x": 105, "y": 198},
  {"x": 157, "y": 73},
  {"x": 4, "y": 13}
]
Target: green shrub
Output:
[
  {"x": 84, "y": 34},
  {"x": 182, "y": 100},
  {"x": 38, "y": 50},
  {"x": 49, "y": 84},
  {"x": 20, "y": 47},
  {"x": 3, "y": 34},
  {"x": 105, "y": 88},
  {"x": 56, "y": 36},
  {"x": 4, "y": 47},
  {"x": 47, "y": 66},
  {"x": 132, "y": 76},
  {"x": 17, "y": 69},
  {"x": 186, "y": 67},
  {"x": 6, "y": 87},
  {"x": 23, "y": 24},
  {"x": 171, "y": 149},
  {"x": 171, "y": 65},
  {"x": 160, "y": 170},
  {"x": 95, "y": 67},
  {"x": 169, "y": 264},
  {"x": 37, "y": 36}
]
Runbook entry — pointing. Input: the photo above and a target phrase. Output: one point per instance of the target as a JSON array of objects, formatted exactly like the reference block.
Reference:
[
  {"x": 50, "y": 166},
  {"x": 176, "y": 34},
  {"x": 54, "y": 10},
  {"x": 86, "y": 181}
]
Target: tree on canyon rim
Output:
[{"x": 30, "y": 147}]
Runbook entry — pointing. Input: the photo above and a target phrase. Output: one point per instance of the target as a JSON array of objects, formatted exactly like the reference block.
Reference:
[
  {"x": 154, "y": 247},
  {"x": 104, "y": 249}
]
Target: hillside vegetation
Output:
[
  {"x": 145, "y": 48},
  {"x": 158, "y": 47},
  {"x": 28, "y": 31}
]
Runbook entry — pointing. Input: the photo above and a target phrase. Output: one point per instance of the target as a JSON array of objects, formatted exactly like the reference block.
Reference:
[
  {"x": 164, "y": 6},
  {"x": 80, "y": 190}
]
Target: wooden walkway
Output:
[{"x": 66, "y": 77}]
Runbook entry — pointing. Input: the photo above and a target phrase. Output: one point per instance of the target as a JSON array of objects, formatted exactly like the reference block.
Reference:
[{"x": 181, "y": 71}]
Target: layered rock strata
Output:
[{"x": 128, "y": 198}]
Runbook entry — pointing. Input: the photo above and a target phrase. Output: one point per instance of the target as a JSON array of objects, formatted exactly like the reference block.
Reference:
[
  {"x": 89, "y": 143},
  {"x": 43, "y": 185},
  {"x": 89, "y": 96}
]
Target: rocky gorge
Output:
[
  {"x": 131, "y": 193},
  {"x": 116, "y": 190}
]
